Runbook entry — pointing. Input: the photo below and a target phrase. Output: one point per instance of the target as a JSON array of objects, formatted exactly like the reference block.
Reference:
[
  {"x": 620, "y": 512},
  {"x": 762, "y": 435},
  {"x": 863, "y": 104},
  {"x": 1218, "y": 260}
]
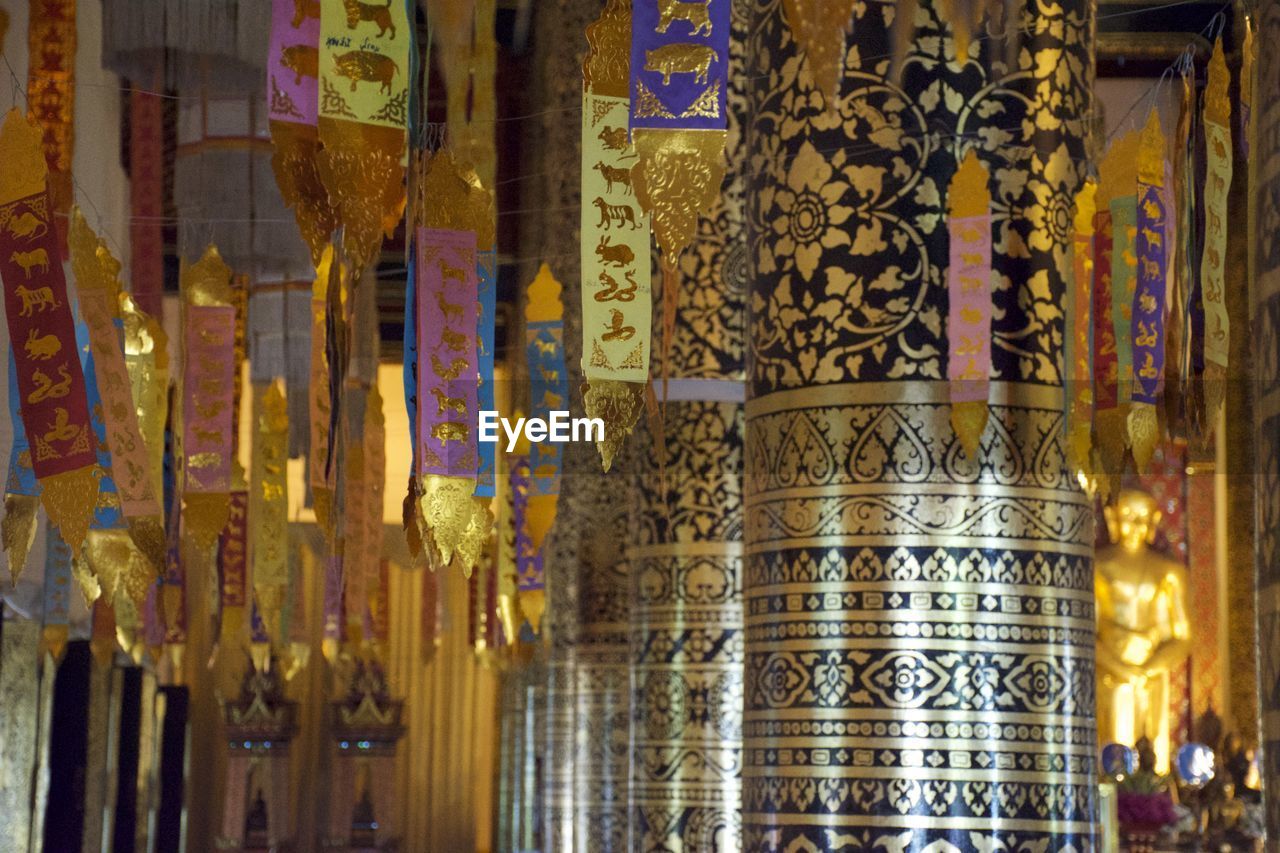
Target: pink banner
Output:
[
  {"x": 208, "y": 389},
  {"x": 446, "y": 317},
  {"x": 293, "y": 63},
  {"x": 969, "y": 317}
]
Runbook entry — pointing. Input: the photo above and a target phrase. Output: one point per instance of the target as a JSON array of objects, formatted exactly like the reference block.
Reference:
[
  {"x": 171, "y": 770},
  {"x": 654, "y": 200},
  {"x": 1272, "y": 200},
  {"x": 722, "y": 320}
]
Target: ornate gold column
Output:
[
  {"x": 686, "y": 538},
  {"x": 919, "y": 625},
  {"x": 1264, "y": 175}
]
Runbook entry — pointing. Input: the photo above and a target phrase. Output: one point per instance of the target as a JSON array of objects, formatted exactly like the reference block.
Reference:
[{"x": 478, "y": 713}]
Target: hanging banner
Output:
[
  {"x": 99, "y": 290},
  {"x": 355, "y": 494},
  {"x": 320, "y": 407},
  {"x": 531, "y": 582},
  {"x": 173, "y": 599},
  {"x": 617, "y": 294},
  {"x": 1078, "y": 356},
  {"x": 548, "y": 392},
  {"x": 54, "y": 408},
  {"x": 363, "y": 117},
  {"x": 57, "y": 594},
  {"x": 375, "y": 462},
  {"x": 679, "y": 72},
  {"x": 233, "y": 568},
  {"x": 208, "y": 397},
  {"x": 969, "y": 290},
  {"x": 447, "y": 392},
  {"x": 51, "y": 67},
  {"x": 146, "y": 358},
  {"x": 453, "y": 523},
  {"x": 269, "y": 502},
  {"x": 1147, "y": 329},
  {"x": 293, "y": 85},
  {"x": 331, "y": 637},
  {"x": 1108, "y": 416},
  {"x": 486, "y": 330},
  {"x": 1217, "y": 184},
  {"x": 508, "y": 573},
  {"x": 820, "y": 27},
  {"x": 146, "y": 197},
  {"x": 409, "y": 376}
]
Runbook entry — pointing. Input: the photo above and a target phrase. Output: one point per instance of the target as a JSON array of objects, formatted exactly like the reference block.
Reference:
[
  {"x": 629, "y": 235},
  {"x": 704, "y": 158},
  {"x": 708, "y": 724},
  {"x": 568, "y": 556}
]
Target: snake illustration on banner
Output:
[
  {"x": 1148, "y": 309},
  {"x": 363, "y": 119},
  {"x": 208, "y": 394},
  {"x": 969, "y": 291},
  {"x": 548, "y": 392},
  {"x": 615, "y": 256},
  {"x": 54, "y": 408},
  {"x": 99, "y": 288},
  {"x": 679, "y": 77},
  {"x": 1217, "y": 184}
]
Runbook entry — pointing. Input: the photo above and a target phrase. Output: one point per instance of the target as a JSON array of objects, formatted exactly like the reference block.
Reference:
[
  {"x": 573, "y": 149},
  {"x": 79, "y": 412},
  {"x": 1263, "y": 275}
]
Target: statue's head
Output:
[{"x": 1132, "y": 520}]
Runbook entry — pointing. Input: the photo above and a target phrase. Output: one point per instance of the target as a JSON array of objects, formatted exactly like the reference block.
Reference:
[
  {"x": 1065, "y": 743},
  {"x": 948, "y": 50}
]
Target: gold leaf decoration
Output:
[
  {"x": 677, "y": 177},
  {"x": 18, "y": 530},
  {"x": 359, "y": 165},
  {"x": 819, "y": 28},
  {"x": 619, "y": 405},
  {"x": 607, "y": 67},
  {"x": 293, "y": 160}
]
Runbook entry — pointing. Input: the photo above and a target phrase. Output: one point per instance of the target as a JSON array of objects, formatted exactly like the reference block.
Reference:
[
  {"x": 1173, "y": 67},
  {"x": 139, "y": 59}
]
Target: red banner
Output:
[{"x": 55, "y": 410}]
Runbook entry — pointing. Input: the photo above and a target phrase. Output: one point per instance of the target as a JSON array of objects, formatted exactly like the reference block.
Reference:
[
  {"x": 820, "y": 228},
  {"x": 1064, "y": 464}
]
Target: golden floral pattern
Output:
[{"x": 919, "y": 621}]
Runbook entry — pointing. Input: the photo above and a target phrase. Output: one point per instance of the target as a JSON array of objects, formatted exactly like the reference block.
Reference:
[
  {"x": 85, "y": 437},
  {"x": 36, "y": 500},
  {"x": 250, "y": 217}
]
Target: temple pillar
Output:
[
  {"x": 919, "y": 624},
  {"x": 1264, "y": 164},
  {"x": 686, "y": 537}
]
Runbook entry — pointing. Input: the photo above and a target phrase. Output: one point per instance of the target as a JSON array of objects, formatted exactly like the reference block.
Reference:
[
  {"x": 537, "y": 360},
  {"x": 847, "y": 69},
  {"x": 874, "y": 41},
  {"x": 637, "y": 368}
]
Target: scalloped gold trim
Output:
[{"x": 607, "y": 67}]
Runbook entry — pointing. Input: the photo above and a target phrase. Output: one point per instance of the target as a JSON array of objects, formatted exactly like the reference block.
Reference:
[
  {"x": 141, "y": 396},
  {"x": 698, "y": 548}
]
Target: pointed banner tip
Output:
[
  {"x": 18, "y": 531},
  {"x": 618, "y": 405},
  {"x": 969, "y": 420}
]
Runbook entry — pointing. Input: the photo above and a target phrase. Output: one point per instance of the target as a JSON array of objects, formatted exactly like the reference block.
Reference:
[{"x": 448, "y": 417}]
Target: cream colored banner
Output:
[
  {"x": 364, "y": 62},
  {"x": 617, "y": 298}
]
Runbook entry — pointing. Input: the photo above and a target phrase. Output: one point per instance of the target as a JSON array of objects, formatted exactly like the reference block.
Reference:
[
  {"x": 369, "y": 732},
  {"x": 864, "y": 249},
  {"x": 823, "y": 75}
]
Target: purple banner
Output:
[
  {"x": 969, "y": 315},
  {"x": 293, "y": 61},
  {"x": 679, "y": 64},
  {"x": 446, "y": 318},
  {"x": 1149, "y": 296},
  {"x": 529, "y": 575}
]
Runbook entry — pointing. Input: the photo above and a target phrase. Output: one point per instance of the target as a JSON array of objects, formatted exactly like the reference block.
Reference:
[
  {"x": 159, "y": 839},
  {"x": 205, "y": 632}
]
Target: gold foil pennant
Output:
[
  {"x": 677, "y": 178},
  {"x": 295, "y": 163},
  {"x": 619, "y": 405},
  {"x": 820, "y": 28}
]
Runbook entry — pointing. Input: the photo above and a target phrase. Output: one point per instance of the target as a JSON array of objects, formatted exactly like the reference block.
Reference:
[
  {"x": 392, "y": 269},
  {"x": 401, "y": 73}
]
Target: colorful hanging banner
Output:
[
  {"x": 355, "y": 494},
  {"x": 508, "y": 573},
  {"x": 1108, "y": 416},
  {"x": 54, "y": 407},
  {"x": 531, "y": 583},
  {"x": 453, "y": 524},
  {"x": 1077, "y": 361},
  {"x": 679, "y": 77},
  {"x": 208, "y": 397},
  {"x": 173, "y": 599},
  {"x": 486, "y": 330},
  {"x": 617, "y": 295},
  {"x": 969, "y": 291},
  {"x": 269, "y": 502},
  {"x": 447, "y": 398},
  {"x": 1217, "y": 185},
  {"x": 548, "y": 392},
  {"x": 146, "y": 358},
  {"x": 293, "y": 85},
  {"x": 365, "y": 66},
  {"x": 1147, "y": 329},
  {"x": 233, "y": 570},
  {"x": 51, "y": 71},
  {"x": 57, "y": 594},
  {"x": 99, "y": 290},
  {"x": 320, "y": 407},
  {"x": 331, "y": 636}
]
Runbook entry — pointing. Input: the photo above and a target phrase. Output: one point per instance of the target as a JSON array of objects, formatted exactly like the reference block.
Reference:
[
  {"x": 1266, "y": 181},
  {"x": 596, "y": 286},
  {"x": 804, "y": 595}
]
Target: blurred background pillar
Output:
[{"x": 919, "y": 624}]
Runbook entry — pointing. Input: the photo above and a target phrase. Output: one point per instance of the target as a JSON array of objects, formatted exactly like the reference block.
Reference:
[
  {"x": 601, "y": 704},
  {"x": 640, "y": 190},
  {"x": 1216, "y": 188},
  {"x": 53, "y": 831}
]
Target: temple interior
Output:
[{"x": 640, "y": 426}]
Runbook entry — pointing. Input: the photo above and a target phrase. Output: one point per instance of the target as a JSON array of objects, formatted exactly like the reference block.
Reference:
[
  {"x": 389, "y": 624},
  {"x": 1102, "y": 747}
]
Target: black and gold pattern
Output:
[
  {"x": 686, "y": 625},
  {"x": 1266, "y": 351},
  {"x": 919, "y": 626}
]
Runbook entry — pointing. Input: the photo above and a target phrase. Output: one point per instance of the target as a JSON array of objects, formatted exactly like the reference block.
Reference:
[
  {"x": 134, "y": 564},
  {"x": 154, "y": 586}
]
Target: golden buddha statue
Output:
[{"x": 1142, "y": 627}]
